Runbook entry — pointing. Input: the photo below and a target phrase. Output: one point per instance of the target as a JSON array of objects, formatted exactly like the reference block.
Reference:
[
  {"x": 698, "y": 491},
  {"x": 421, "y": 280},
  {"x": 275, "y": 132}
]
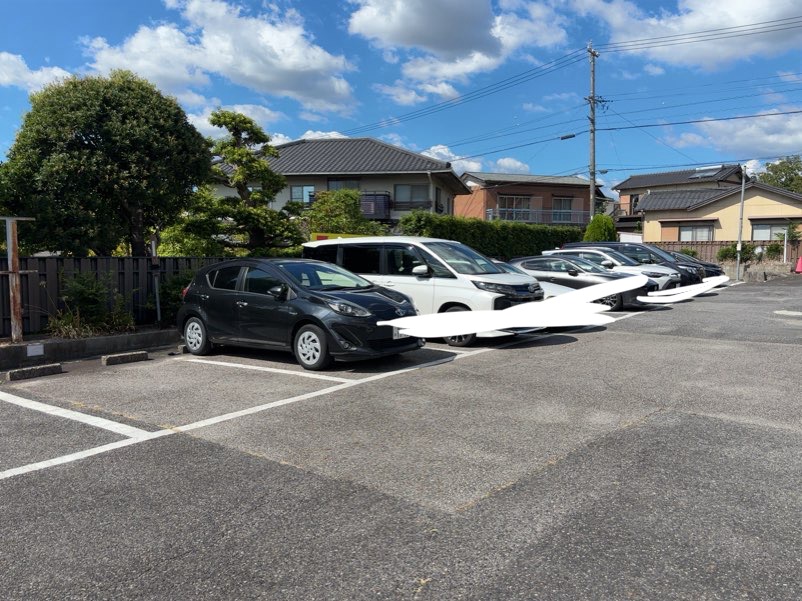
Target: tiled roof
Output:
[
  {"x": 517, "y": 178},
  {"x": 343, "y": 156},
  {"x": 693, "y": 199},
  {"x": 689, "y": 177},
  {"x": 676, "y": 199}
]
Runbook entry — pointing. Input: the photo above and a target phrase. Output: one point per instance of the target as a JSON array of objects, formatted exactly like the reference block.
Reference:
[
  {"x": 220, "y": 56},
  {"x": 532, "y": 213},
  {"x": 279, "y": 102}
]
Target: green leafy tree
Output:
[
  {"x": 101, "y": 161},
  {"x": 786, "y": 174},
  {"x": 242, "y": 222},
  {"x": 340, "y": 212},
  {"x": 600, "y": 229}
]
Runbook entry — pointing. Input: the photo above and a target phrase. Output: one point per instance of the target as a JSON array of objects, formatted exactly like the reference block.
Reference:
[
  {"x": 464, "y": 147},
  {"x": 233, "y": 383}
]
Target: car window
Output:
[
  {"x": 259, "y": 281},
  {"x": 224, "y": 278},
  {"x": 401, "y": 260},
  {"x": 463, "y": 259},
  {"x": 362, "y": 258},
  {"x": 592, "y": 257},
  {"x": 327, "y": 252},
  {"x": 438, "y": 269},
  {"x": 322, "y": 276},
  {"x": 538, "y": 264}
]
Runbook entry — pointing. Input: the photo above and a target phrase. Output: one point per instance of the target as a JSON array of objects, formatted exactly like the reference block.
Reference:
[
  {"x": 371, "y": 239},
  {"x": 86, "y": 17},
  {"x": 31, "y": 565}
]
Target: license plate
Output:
[{"x": 397, "y": 334}]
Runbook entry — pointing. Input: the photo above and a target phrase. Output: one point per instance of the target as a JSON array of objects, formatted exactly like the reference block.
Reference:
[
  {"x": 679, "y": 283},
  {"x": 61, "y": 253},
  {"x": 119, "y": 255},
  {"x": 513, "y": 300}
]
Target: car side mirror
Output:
[
  {"x": 645, "y": 261},
  {"x": 278, "y": 292},
  {"x": 607, "y": 263},
  {"x": 421, "y": 271},
  {"x": 573, "y": 272}
]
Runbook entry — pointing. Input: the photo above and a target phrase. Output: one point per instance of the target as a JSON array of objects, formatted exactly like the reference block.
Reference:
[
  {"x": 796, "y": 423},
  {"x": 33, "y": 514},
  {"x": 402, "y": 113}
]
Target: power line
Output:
[{"x": 550, "y": 67}]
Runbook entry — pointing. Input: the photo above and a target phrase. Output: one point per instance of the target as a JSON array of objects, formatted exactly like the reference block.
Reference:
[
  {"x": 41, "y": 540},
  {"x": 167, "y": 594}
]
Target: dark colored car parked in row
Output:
[
  {"x": 711, "y": 269},
  {"x": 317, "y": 310},
  {"x": 574, "y": 272},
  {"x": 690, "y": 272}
]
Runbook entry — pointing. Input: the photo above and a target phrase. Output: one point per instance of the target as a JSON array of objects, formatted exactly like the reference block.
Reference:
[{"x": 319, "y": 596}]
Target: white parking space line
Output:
[
  {"x": 98, "y": 422},
  {"x": 143, "y": 435},
  {"x": 35, "y": 467},
  {"x": 272, "y": 370}
]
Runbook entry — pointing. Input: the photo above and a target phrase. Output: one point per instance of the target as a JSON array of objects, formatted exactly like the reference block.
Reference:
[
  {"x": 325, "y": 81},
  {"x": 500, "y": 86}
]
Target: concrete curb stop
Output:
[
  {"x": 25, "y": 373},
  {"x": 121, "y": 358}
]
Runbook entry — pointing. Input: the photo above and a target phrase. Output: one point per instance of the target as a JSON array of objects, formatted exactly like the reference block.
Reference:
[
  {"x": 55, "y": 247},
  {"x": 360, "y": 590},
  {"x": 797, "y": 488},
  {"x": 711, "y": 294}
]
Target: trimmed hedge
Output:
[{"x": 502, "y": 239}]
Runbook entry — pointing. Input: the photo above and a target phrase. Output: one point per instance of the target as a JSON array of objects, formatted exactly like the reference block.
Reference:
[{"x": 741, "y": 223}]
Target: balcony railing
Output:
[{"x": 549, "y": 217}]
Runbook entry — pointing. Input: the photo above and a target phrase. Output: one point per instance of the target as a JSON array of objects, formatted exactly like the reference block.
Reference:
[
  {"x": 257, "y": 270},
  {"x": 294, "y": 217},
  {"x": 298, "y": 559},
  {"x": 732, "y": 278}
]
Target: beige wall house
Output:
[
  {"x": 526, "y": 198},
  {"x": 711, "y": 214},
  {"x": 392, "y": 181}
]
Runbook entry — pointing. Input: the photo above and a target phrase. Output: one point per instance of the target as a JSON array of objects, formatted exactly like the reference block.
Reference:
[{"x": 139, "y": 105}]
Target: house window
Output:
[
  {"x": 768, "y": 231},
  {"x": 633, "y": 203},
  {"x": 561, "y": 210},
  {"x": 302, "y": 193},
  {"x": 411, "y": 196},
  {"x": 343, "y": 184},
  {"x": 695, "y": 233},
  {"x": 515, "y": 208}
]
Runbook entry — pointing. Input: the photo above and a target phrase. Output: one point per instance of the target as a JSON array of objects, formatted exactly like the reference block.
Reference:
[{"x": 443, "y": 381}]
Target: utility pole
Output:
[{"x": 592, "y": 118}]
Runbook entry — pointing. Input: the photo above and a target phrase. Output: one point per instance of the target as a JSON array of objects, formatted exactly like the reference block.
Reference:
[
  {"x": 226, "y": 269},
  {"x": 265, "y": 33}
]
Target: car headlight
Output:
[
  {"x": 688, "y": 268},
  {"x": 497, "y": 288},
  {"x": 653, "y": 274},
  {"x": 348, "y": 309}
]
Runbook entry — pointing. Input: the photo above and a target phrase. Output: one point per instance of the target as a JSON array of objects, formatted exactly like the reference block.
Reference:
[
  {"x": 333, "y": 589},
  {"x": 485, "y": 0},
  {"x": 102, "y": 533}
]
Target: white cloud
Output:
[
  {"x": 790, "y": 77},
  {"x": 15, "y": 72},
  {"x": 687, "y": 139},
  {"x": 444, "y": 153},
  {"x": 510, "y": 165},
  {"x": 630, "y": 21},
  {"x": 400, "y": 93},
  {"x": 435, "y": 53},
  {"x": 561, "y": 97},
  {"x": 654, "y": 70},
  {"x": 772, "y": 135},
  {"x": 755, "y": 167},
  {"x": 534, "y": 108},
  {"x": 270, "y": 53},
  {"x": 423, "y": 24},
  {"x": 311, "y": 135}
]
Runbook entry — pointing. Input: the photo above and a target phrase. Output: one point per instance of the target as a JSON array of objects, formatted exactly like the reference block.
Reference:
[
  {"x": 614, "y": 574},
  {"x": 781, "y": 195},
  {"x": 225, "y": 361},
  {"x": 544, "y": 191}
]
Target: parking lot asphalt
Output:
[{"x": 656, "y": 458}]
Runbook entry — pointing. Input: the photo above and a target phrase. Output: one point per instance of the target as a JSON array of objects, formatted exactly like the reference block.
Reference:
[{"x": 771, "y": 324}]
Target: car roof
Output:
[{"x": 377, "y": 239}]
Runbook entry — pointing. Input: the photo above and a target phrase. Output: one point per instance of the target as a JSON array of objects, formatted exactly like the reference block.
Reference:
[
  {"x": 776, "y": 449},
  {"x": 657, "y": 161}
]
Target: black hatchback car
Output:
[{"x": 316, "y": 310}]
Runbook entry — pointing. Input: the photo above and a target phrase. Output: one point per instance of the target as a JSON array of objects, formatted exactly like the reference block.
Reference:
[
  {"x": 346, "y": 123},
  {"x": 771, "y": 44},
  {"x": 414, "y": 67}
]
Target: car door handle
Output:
[
  {"x": 204, "y": 297},
  {"x": 241, "y": 304}
]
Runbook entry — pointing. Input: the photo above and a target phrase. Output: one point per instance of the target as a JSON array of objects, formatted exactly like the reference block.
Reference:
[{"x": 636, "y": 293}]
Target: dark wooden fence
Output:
[
  {"x": 132, "y": 277},
  {"x": 708, "y": 251}
]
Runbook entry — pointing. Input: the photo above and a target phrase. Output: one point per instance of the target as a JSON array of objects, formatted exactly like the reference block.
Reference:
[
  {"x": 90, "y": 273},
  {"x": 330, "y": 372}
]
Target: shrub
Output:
[
  {"x": 691, "y": 252},
  {"x": 503, "y": 239},
  {"x": 773, "y": 251},
  {"x": 601, "y": 229},
  {"x": 91, "y": 306},
  {"x": 170, "y": 295},
  {"x": 730, "y": 253}
]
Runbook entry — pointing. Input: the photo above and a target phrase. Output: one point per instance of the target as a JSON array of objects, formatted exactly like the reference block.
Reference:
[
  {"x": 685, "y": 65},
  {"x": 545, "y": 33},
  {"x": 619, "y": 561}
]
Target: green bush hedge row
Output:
[{"x": 502, "y": 239}]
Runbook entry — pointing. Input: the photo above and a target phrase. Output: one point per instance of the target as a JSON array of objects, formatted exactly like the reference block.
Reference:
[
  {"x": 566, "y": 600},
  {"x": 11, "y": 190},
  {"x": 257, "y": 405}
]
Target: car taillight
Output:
[{"x": 184, "y": 292}]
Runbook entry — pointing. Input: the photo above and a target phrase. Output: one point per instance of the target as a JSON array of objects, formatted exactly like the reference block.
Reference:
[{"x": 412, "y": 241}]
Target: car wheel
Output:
[
  {"x": 614, "y": 301},
  {"x": 464, "y": 340},
  {"x": 311, "y": 349},
  {"x": 195, "y": 337}
]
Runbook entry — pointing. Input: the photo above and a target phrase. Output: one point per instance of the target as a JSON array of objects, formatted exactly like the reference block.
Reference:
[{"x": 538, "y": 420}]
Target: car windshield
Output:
[
  {"x": 623, "y": 259},
  {"x": 662, "y": 254},
  {"x": 463, "y": 259},
  {"x": 509, "y": 268},
  {"x": 323, "y": 276},
  {"x": 586, "y": 265}
]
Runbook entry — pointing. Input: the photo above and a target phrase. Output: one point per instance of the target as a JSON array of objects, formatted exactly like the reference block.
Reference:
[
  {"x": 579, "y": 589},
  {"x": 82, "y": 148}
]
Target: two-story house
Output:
[
  {"x": 553, "y": 200},
  {"x": 704, "y": 205},
  {"x": 392, "y": 181}
]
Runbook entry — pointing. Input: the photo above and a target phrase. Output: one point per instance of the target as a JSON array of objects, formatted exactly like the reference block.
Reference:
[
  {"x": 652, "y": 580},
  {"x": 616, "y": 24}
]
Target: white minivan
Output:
[{"x": 439, "y": 275}]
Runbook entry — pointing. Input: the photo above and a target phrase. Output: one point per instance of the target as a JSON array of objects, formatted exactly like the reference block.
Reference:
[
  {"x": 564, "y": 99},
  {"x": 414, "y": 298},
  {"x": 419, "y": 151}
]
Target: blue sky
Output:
[{"x": 490, "y": 85}]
